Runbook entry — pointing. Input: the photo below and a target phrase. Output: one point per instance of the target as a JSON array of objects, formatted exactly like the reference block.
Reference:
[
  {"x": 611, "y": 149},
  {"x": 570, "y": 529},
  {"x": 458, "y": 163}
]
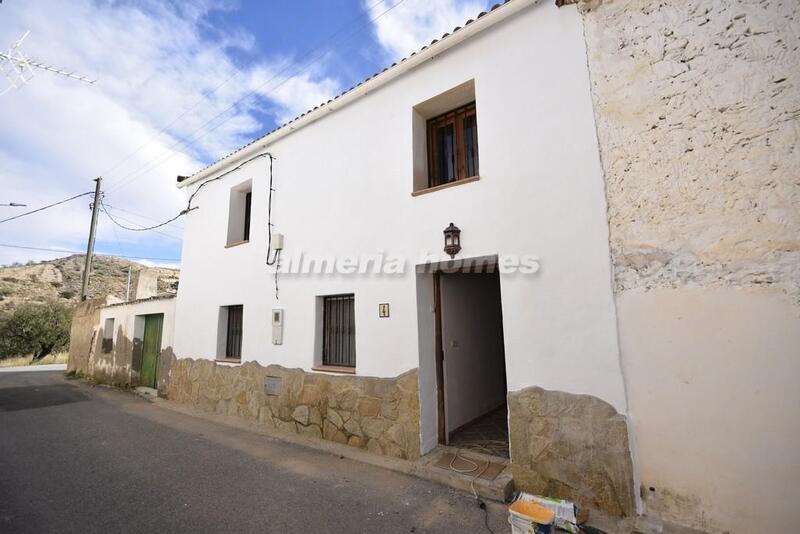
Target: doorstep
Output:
[
  {"x": 146, "y": 392},
  {"x": 484, "y": 475},
  {"x": 498, "y": 489}
]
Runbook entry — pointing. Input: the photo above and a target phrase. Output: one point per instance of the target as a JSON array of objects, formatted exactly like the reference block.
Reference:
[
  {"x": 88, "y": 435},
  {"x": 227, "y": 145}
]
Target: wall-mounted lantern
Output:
[{"x": 452, "y": 240}]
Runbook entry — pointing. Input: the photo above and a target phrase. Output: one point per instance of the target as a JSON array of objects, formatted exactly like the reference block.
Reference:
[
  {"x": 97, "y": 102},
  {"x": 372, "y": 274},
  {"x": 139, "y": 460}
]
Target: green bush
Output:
[{"x": 37, "y": 329}]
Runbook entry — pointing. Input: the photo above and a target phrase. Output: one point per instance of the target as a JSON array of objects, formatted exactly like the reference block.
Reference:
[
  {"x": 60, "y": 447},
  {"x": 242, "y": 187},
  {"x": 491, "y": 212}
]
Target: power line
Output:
[
  {"x": 46, "y": 207},
  {"x": 25, "y": 247},
  {"x": 169, "y": 153},
  {"x": 120, "y": 217},
  {"x": 142, "y": 228},
  {"x": 135, "y": 214}
]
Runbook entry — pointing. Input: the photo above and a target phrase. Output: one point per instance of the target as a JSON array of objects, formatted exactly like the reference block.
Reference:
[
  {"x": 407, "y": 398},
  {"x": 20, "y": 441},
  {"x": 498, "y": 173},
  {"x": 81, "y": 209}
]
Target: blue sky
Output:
[{"x": 179, "y": 85}]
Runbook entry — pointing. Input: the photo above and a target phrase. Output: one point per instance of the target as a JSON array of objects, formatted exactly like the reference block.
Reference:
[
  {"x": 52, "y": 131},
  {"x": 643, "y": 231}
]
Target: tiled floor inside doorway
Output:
[{"x": 488, "y": 435}]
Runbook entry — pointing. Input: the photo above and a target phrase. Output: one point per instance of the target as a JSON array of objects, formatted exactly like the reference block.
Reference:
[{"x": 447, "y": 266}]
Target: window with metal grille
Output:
[
  {"x": 339, "y": 331},
  {"x": 233, "y": 342},
  {"x": 453, "y": 146},
  {"x": 108, "y": 335}
]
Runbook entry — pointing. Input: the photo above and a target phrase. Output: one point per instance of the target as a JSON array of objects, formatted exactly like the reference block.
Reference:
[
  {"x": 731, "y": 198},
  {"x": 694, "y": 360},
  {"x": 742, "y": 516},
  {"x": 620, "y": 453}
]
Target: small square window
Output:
[{"x": 108, "y": 335}]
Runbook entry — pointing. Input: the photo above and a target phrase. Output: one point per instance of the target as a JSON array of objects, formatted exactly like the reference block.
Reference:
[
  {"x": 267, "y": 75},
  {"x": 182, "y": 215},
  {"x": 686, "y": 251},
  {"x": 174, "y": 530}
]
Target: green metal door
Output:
[{"x": 151, "y": 348}]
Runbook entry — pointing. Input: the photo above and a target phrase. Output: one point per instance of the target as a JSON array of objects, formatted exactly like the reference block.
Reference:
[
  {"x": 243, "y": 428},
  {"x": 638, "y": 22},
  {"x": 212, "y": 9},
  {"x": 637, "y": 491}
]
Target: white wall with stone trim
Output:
[
  {"x": 697, "y": 106},
  {"x": 343, "y": 186}
]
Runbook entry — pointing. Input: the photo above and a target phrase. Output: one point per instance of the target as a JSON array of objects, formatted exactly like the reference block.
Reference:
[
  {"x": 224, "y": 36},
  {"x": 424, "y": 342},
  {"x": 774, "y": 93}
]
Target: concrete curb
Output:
[{"x": 30, "y": 368}]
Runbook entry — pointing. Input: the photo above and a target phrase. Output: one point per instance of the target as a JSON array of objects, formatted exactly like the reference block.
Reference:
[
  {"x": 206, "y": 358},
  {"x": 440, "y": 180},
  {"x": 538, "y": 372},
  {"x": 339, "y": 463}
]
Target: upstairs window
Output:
[
  {"x": 246, "y": 232},
  {"x": 452, "y": 146},
  {"x": 239, "y": 214},
  {"x": 339, "y": 331},
  {"x": 108, "y": 335}
]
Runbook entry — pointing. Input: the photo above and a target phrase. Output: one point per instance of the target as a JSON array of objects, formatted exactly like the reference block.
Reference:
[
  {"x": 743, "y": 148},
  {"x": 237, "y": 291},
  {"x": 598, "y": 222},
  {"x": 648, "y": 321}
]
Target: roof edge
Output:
[{"x": 484, "y": 20}]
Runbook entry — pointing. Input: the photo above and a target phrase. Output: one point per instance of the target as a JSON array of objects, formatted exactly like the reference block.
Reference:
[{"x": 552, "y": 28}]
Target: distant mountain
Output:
[{"x": 61, "y": 279}]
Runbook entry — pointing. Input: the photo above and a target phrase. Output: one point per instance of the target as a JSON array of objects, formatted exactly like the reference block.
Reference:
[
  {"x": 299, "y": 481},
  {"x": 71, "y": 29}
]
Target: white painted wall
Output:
[
  {"x": 472, "y": 339},
  {"x": 426, "y": 336},
  {"x": 714, "y": 402},
  {"x": 343, "y": 186},
  {"x": 124, "y": 316}
]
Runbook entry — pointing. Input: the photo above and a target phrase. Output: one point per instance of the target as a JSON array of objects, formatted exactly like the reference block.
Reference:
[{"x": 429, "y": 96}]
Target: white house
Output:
[
  {"x": 372, "y": 173},
  {"x": 317, "y": 295}
]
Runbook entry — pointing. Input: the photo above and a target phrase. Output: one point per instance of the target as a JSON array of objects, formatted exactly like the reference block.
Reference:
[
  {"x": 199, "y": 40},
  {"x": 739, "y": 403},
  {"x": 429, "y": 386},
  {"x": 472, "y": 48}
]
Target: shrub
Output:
[
  {"x": 37, "y": 329},
  {"x": 66, "y": 294}
]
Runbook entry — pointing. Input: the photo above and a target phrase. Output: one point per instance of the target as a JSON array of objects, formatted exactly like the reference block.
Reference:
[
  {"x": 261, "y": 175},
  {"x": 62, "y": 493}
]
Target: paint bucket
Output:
[{"x": 528, "y": 517}]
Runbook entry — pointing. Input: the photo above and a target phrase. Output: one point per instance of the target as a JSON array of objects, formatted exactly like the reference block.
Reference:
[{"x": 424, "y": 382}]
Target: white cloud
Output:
[
  {"x": 295, "y": 95},
  {"x": 154, "y": 61},
  {"x": 415, "y": 23}
]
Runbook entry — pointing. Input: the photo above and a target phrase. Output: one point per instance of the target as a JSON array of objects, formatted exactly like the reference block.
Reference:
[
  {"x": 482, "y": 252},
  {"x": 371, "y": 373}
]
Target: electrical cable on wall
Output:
[
  {"x": 189, "y": 206},
  {"x": 276, "y": 257},
  {"x": 273, "y": 257}
]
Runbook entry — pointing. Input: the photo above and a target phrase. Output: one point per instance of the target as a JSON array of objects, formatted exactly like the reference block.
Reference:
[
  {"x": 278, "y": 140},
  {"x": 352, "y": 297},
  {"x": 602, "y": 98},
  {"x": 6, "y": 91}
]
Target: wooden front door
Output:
[{"x": 151, "y": 348}]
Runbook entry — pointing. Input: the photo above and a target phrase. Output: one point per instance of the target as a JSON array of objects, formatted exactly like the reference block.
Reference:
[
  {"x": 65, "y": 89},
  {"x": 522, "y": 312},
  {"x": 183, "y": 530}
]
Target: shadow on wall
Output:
[{"x": 118, "y": 367}]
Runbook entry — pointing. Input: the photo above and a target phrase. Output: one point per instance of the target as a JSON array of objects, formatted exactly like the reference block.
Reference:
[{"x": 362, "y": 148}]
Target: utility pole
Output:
[
  {"x": 128, "y": 286},
  {"x": 90, "y": 246}
]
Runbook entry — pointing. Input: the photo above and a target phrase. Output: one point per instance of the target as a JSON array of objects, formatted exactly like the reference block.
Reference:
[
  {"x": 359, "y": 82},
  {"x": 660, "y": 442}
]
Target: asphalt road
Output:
[{"x": 75, "y": 458}]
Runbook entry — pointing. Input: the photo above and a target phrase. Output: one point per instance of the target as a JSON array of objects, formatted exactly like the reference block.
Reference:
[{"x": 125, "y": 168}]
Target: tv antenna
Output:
[{"x": 18, "y": 69}]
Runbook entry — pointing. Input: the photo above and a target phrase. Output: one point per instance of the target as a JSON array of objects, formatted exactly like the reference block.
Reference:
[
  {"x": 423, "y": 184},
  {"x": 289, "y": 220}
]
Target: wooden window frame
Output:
[
  {"x": 457, "y": 117},
  {"x": 343, "y": 354}
]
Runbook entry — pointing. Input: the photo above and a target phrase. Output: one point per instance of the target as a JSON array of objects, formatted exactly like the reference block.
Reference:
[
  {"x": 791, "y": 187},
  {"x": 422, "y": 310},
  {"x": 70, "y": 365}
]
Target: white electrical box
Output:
[
  {"x": 277, "y": 242},
  {"x": 277, "y": 326}
]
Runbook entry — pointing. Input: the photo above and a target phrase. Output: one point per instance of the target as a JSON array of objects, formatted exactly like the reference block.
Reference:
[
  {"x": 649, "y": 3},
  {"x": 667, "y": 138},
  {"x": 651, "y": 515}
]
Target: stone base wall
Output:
[
  {"x": 377, "y": 414},
  {"x": 573, "y": 447}
]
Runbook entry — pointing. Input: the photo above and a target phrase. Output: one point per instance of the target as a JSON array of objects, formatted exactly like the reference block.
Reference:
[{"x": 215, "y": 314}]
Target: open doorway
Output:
[{"x": 467, "y": 381}]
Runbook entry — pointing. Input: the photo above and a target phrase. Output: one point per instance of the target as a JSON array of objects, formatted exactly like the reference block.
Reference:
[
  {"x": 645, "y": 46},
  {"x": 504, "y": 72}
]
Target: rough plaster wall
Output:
[
  {"x": 697, "y": 106},
  {"x": 83, "y": 334}
]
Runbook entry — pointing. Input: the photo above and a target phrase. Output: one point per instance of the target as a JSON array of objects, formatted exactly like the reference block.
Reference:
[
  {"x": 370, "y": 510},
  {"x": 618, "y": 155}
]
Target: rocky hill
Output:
[{"x": 61, "y": 279}]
